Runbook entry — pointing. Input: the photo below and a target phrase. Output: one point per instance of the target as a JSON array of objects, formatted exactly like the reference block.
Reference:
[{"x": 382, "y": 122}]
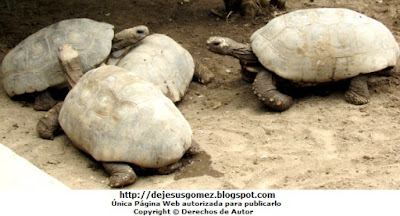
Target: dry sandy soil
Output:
[{"x": 322, "y": 142}]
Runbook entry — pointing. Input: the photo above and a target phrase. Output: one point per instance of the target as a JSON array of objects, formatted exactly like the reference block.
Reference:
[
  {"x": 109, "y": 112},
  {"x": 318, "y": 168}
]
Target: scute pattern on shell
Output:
[
  {"x": 33, "y": 64},
  {"x": 118, "y": 117},
  {"x": 162, "y": 61},
  {"x": 323, "y": 45}
]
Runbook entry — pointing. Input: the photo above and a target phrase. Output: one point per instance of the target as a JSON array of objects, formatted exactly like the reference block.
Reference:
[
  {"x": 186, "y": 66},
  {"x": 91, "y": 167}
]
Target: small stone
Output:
[
  {"x": 53, "y": 162},
  {"x": 217, "y": 105}
]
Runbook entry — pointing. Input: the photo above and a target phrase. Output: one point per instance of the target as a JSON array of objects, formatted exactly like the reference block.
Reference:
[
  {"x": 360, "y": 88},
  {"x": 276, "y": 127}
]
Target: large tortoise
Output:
[
  {"x": 162, "y": 61},
  {"x": 314, "y": 46},
  {"x": 32, "y": 66},
  {"x": 120, "y": 119}
]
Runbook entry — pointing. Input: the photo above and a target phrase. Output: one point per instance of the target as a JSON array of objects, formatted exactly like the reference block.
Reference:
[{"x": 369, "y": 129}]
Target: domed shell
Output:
[
  {"x": 323, "y": 45},
  {"x": 33, "y": 64},
  {"x": 117, "y": 117},
  {"x": 162, "y": 61}
]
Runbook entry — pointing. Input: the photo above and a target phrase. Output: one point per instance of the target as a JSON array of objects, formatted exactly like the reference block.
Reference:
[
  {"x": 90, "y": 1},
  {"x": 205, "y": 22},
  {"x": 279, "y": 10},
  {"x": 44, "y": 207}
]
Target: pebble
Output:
[{"x": 53, "y": 162}]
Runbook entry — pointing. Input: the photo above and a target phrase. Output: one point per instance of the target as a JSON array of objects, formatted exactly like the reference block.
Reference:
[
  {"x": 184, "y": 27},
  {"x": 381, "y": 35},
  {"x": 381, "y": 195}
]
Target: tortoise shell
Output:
[
  {"x": 116, "y": 116},
  {"x": 33, "y": 64},
  {"x": 323, "y": 45}
]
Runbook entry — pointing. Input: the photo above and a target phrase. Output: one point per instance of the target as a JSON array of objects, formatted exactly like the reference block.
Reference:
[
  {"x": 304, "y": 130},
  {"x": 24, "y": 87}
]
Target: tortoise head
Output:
[
  {"x": 220, "y": 45},
  {"x": 227, "y": 46},
  {"x": 140, "y": 32},
  {"x": 128, "y": 37}
]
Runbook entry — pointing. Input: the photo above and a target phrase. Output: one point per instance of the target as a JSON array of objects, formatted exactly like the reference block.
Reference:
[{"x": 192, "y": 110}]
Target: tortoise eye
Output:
[
  {"x": 140, "y": 31},
  {"x": 216, "y": 43}
]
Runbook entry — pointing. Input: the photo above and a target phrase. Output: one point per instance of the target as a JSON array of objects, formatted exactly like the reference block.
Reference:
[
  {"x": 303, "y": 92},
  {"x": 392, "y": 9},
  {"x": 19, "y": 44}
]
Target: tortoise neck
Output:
[{"x": 243, "y": 52}]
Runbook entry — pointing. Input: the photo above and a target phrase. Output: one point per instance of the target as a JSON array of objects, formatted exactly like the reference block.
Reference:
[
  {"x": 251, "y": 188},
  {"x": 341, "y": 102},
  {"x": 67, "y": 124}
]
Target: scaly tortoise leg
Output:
[
  {"x": 48, "y": 124},
  {"x": 265, "y": 89},
  {"x": 121, "y": 174},
  {"x": 358, "y": 93}
]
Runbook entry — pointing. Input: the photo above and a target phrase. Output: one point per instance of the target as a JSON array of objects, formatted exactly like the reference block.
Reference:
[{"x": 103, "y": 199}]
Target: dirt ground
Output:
[{"x": 322, "y": 142}]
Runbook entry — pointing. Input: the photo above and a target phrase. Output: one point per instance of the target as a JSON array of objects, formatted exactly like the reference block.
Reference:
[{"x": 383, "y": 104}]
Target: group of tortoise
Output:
[{"x": 120, "y": 108}]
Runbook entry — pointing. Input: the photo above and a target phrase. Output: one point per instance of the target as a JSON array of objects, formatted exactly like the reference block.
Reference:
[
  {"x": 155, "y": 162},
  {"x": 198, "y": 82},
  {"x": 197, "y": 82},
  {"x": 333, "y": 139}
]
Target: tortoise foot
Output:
[
  {"x": 355, "y": 98},
  {"x": 275, "y": 100},
  {"x": 122, "y": 179},
  {"x": 358, "y": 93},
  {"x": 121, "y": 174},
  {"x": 48, "y": 124},
  {"x": 264, "y": 88}
]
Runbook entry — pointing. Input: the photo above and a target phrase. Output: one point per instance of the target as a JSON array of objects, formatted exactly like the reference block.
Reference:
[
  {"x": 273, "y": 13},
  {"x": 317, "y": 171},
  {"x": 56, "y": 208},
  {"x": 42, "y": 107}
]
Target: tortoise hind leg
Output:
[
  {"x": 121, "y": 174},
  {"x": 192, "y": 151},
  {"x": 358, "y": 93},
  {"x": 168, "y": 169},
  {"x": 265, "y": 89}
]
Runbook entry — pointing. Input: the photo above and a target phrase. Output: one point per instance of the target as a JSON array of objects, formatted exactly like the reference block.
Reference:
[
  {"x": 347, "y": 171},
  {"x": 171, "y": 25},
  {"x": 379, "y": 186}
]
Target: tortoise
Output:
[
  {"x": 32, "y": 66},
  {"x": 162, "y": 61},
  {"x": 121, "y": 119},
  {"x": 313, "y": 46}
]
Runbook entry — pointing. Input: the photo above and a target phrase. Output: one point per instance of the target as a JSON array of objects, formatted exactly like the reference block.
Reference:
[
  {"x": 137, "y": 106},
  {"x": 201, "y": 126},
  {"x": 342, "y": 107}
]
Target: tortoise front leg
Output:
[
  {"x": 121, "y": 174},
  {"x": 265, "y": 89},
  {"x": 48, "y": 124},
  {"x": 358, "y": 93}
]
